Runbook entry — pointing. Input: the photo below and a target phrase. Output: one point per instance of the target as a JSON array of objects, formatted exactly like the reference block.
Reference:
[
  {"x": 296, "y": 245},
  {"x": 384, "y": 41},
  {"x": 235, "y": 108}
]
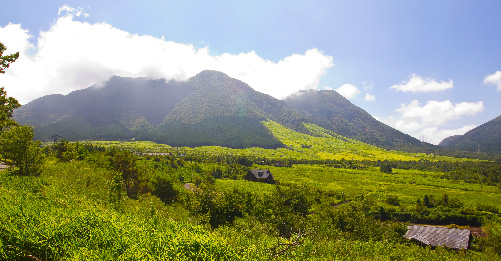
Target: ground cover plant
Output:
[{"x": 107, "y": 201}]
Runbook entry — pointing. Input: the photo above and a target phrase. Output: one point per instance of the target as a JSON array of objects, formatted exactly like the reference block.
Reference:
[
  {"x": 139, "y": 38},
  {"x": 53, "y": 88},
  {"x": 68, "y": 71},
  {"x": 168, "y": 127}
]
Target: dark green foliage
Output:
[
  {"x": 164, "y": 189},
  {"x": 67, "y": 151},
  {"x": 332, "y": 111},
  {"x": 7, "y": 107},
  {"x": 124, "y": 162},
  {"x": 218, "y": 208},
  {"x": 232, "y": 131},
  {"x": 290, "y": 206},
  {"x": 6, "y": 60},
  {"x": 486, "y": 138},
  {"x": 385, "y": 167},
  {"x": 392, "y": 200},
  {"x": 7, "y": 104},
  {"x": 355, "y": 223},
  {"x": 20, "y": 151},
  {"x": 487, "y": 208}
]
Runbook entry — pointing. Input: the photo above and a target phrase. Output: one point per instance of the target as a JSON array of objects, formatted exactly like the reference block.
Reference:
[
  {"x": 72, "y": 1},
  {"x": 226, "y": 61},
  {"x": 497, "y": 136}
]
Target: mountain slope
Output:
[
  {"x": 487, "y": 136},
  {"x": 332, "y": 111},
  {"x": 224, "y": 111},
  {"x": 210, "y": 108},
  {"x": 131, "y": 102}
]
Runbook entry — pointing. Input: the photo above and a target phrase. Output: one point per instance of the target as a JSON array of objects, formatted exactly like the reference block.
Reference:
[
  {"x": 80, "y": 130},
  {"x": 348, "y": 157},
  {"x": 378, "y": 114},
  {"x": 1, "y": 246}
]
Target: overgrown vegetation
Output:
[{"x": 97, "y": 202}]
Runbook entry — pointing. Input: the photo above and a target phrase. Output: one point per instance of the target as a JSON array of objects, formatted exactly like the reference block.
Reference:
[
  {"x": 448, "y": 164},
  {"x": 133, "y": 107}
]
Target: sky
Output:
[{"x": 430, "y": 69}]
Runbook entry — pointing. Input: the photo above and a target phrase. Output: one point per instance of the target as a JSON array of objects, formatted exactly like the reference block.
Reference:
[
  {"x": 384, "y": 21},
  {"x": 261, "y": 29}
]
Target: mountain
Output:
[
  {"x": 486, "y": 137},
  {"x": 224, "y": 111},
  {"x": 120, "y": 109},
  {"x": 210, "y": 108},
  {"x": 332, "y": 111}
]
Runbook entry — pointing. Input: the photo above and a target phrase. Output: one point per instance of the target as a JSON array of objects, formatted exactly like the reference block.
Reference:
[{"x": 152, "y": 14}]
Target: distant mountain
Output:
[
  {"x": 210, "y": 108},
  {"x": 332, "y": 111},
  {"x": 121, "y": 109},
  {"x": 486, "y": 137},
  {"x": 224, "y": 111}
]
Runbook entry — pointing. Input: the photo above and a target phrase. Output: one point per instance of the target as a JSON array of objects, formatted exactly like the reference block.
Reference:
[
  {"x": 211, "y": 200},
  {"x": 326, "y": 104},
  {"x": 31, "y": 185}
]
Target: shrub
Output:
[{"x": 18, "y": 147}]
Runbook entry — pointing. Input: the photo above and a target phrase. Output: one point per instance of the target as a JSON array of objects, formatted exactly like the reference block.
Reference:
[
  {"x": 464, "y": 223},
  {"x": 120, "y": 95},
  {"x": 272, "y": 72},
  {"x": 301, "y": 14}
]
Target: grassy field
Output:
[
  {"x": 321, "y": 145},
  {"x": 99, "y": 201}
]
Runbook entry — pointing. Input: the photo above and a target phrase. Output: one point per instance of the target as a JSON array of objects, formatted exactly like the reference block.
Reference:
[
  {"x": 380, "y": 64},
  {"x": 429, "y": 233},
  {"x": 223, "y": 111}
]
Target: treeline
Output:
[{"x": 483, "y": 172}]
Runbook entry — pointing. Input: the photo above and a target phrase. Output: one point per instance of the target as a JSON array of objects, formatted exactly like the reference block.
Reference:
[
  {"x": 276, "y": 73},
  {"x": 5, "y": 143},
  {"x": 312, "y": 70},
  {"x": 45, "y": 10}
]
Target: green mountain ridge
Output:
[
  {"x": 210, "y": 108},
  {"x": 332, "y": 111},
  {"x": 486, "y": 138}
]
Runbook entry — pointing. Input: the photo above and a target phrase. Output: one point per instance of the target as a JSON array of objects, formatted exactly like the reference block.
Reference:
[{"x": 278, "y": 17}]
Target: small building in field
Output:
[
  {"x": 439, "y": 236},
  {"x": 260, "y": 175}
]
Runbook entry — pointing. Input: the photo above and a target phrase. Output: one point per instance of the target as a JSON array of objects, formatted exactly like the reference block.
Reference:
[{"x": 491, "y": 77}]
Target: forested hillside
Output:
[
  {"x": 486, "y": 138},
  {"x": 210, "y": 108},
  {"x": 332, "y": 111}
]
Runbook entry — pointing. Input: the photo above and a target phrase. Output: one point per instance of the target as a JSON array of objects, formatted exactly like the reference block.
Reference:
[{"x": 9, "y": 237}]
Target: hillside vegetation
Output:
[
  {"x": 210, "y": 108},
  {"x": 486, "y": 138},
  {"x": 105, "y": 203}
]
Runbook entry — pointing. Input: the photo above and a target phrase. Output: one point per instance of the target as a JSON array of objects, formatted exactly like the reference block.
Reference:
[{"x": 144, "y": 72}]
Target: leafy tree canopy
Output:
[
  {"x": 7, "y": 104},
  {"x": 6, "y": 60}
]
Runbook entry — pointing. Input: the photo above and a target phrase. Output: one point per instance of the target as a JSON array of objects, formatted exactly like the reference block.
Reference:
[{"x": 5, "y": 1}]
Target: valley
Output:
[{"x": 128, "y": 200}]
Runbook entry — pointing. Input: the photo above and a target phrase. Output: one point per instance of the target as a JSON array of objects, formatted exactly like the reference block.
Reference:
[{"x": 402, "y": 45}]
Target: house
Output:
[
  {"x": 439, "y": 236},
  {"x": 260, "y": 175}
]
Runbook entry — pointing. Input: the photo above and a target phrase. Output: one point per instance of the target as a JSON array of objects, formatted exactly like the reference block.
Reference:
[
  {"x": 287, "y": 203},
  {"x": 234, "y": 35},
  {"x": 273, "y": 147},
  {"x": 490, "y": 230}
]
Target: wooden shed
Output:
[
  {"x": 260, "y": 175},
  {"x": 439, "y": 236}
]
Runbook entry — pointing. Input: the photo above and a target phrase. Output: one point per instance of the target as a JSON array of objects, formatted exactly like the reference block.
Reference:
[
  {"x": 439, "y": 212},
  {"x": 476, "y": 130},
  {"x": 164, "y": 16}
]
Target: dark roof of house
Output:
[
  {"x": 261, "y": 173},
  {"x": 439, "y": 236}
]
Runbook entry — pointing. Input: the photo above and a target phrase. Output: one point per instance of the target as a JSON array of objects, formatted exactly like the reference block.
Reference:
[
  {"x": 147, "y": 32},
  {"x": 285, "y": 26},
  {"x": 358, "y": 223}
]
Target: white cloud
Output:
[
  {"x": 416, "y": 83},
  {"x": 74, "y": 55},
  {"x": 437, "y": 113},
  {"x": 434, "y": 135},
  {"x": 15, "y": 39},
  {"x": 369, "y": 97},
  {"x": 72, "y": 11},
  {"x": 424, "y": 122},
  {"x": 348, "y": 90},
  {"x": 494, "y": 79}
]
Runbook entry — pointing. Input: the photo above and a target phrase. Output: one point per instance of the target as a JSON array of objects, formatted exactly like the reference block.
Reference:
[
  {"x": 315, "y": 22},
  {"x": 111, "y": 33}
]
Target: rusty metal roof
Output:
[{"x": 439, "y": 236}]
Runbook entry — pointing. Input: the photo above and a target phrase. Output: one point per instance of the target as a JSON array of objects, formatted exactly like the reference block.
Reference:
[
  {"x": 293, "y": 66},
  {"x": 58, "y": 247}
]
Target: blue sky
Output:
[{"x": 428, "y": 68}]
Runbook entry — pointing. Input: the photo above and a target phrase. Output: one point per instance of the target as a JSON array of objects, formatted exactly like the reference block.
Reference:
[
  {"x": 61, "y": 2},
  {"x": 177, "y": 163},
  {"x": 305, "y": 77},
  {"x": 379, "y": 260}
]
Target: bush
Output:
[
  {"x": 386, "y": 167},
  {"x": 19, "y": 149},
  {"x": 164, "y": 190}
]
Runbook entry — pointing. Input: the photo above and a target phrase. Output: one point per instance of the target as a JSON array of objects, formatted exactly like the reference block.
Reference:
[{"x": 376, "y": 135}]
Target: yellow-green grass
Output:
[{"x": 408, "y": 185}]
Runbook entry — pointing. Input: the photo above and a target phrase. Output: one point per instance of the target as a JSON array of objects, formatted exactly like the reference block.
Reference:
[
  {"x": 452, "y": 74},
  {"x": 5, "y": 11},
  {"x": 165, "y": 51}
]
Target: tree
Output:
[
  {"x": 7, "y": 104},
  {"x": 7, "y": 107},
  {"x": 16, "y": 142},
  {"x": 19, "y": 150},
  {"x": 124, "y": 162},
  {"x": 386, "y": 167},
  {"x": 6, "y": 60}
]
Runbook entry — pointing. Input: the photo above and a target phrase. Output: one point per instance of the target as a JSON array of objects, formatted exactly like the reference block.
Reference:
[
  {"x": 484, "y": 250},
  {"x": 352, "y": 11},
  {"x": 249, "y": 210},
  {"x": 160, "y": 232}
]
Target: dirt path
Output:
[{"x": 2, "y": 166}]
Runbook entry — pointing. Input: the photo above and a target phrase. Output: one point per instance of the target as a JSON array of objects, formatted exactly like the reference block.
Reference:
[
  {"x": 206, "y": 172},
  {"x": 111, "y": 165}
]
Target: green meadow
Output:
[{"x": 335, "y": 199}]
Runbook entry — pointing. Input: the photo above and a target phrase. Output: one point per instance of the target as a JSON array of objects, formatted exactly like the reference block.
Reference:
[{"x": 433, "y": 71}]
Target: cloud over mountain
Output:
[
  {"x": 348, "y": 91},
  {"x": 423, "y": 121},
  {"x": 72, "y": 55}
]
